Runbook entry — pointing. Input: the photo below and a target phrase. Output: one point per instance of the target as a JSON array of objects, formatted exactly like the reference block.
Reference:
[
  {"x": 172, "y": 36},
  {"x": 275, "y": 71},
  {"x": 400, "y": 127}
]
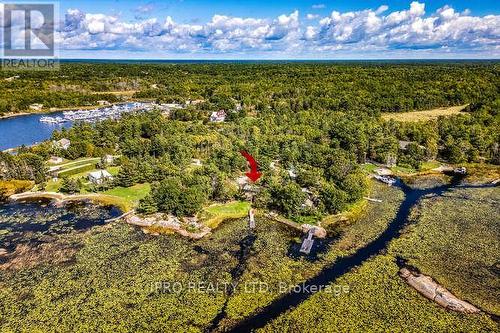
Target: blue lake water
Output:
[{"x": 26, "y": 130}]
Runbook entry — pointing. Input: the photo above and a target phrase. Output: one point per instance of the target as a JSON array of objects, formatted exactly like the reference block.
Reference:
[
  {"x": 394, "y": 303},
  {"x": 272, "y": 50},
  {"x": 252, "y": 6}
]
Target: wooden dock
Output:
[
  {"x": 308, "y": 242},
  {"x": 251, "y": 218}
]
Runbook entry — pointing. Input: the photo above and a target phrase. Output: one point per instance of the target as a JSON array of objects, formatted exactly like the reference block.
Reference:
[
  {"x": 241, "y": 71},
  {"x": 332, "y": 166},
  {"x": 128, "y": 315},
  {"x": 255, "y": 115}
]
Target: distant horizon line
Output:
[{"x": 281, "y": 59}]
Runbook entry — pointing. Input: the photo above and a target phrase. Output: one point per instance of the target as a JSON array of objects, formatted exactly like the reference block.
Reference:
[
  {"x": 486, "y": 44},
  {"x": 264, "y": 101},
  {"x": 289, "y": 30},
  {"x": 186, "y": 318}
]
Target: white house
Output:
[
  {"x": 99, "y": 177},
  {"x": 218, "y": 116},
  {"x": 63, "y": 144},
  {"x": 242, "y": 181},
  {"x": 36, "y": 107},
  {"x": 196, "y": 162},
  {"x": 108, "y": 159},
  {"x": 55, "y": 160}
]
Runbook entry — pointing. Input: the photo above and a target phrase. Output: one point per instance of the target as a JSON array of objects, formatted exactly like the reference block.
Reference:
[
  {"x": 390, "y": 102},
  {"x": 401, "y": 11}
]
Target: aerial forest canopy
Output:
[
  {"x": 309, "y": 126},
  {"x": 348, "y": 87}
]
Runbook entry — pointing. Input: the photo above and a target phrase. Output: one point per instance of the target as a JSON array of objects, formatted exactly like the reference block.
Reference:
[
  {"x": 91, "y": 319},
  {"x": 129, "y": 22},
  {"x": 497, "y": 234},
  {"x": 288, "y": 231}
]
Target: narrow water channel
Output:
[
  {"x": 344, "y": 264},
  {"x": 246, "y": 245}
]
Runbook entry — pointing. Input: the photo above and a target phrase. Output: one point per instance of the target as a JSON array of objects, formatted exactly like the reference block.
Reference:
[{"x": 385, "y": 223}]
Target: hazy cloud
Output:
[
  {"x": 145, "y": 9},
  {"x": 318, "y": 6}
]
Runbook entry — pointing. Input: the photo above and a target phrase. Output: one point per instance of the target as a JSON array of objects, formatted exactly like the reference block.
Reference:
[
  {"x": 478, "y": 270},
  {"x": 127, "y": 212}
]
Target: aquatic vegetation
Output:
[
  {"x": 426, "y": 181},
  {"x": 119, "y": 276},
  {"x": 378, "y": 300},
  {"x": 115, "y": 278},
  {"x": 272, "y": 266},
  {"x": 459, "y": 249},
  {"x": 35, "y": 223},
  {"x": 455, "y": 240}
]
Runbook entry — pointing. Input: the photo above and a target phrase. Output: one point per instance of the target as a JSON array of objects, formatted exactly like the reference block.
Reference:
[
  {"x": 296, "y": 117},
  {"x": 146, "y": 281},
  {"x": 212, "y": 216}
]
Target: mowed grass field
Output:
[
  {"x": 215, "y": 214},
  {"x": 424, "y": 115},
  {"x": 130, "y": 196}
]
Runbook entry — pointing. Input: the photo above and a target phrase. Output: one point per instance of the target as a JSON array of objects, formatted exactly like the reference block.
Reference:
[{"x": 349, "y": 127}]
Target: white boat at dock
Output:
[
  {"x": 93, "y": 115},
  {"x": 53, "y": 120},
  {"x": 385, "y": 179}
]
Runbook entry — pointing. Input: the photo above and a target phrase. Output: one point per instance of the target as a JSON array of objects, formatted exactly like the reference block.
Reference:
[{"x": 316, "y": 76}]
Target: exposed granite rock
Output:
[
  {"x": 319, "y": 232},
  {"x": 433, "y": 291},
  {"x": 3, "y": 252},
  {"x": 169, "y": 222}
]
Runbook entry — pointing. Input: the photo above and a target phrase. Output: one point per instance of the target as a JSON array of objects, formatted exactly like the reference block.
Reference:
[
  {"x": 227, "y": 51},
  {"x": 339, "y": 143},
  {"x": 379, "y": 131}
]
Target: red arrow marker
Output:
[{"x": 254, "y": 174}]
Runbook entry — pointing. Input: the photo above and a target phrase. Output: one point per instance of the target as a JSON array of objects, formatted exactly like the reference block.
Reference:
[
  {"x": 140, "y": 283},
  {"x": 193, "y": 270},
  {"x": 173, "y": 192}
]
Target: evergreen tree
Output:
[{"x": 70, "y": 186}]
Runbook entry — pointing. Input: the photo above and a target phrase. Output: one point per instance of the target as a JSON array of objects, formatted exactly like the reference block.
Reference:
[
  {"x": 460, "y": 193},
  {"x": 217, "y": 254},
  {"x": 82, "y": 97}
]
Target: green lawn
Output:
[
  {"x": 430, "y": 165},
  {"x": 78, "y": 162},
  {"x": 215, "y": 214},
  {"x": 403, "y": 170},
  {"x": 369, "y": 167},
  {"x": 53, "y": 186},
  {"x": 130, "y": 195}
]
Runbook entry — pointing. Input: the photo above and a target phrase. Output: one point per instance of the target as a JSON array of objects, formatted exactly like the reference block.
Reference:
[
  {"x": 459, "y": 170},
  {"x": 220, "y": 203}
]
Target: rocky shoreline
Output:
[{"x": 152, "y": 223}]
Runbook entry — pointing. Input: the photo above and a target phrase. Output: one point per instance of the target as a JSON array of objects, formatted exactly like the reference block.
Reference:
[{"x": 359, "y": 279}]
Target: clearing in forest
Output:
[{"x": 424, "y": 115}]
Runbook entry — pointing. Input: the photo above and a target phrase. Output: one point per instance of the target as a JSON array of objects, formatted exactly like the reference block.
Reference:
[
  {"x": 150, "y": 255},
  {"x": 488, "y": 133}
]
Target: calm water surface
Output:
[
  {"x": 27, "y": 130},
  {"x": 35, "y": 222}
]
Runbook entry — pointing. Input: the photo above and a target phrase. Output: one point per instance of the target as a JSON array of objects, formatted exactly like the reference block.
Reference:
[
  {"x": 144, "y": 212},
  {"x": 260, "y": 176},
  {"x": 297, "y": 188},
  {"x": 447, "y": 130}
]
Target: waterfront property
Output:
[
  {"x": 55, "y": 160},
  {"x": 99, "y": 177},
  {"x": 218, "y": 116},
  {"x": 36, "y": 107},
  {"x": 63, "y": 144}
]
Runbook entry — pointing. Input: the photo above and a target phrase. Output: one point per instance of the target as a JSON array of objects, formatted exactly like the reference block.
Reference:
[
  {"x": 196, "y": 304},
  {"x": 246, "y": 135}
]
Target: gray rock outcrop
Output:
[{"x": 433, "y": 291}]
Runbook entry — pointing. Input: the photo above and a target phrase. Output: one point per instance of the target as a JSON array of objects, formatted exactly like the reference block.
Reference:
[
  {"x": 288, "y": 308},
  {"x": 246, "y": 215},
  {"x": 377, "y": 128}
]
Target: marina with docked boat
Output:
[{"x": 97, "y": 114}]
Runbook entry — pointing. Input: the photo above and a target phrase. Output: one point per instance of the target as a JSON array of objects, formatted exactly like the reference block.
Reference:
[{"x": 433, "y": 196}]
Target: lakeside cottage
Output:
[
  {"x": 63, "y": 144},
  {"x": 218, "y": 116},
  {"x": 36, "y": 107},
  {"x": 108, "y": 159},
  {"x": 55, "y": 160},
  {"x": 248, "y": 190},
  {"x": 99, "y": 177}
]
